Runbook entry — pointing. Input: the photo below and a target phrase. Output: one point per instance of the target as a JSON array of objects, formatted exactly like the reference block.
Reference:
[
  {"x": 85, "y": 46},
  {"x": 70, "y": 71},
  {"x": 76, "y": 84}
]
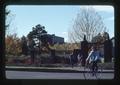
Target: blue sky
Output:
[{"x": 57, "y": 19}]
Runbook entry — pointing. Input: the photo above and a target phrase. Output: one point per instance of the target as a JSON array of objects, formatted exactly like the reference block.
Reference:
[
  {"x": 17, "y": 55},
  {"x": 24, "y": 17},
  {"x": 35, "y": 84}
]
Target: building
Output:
[
  {"x": 52, "y": 39},
  {"x": 57, "y": 39}
]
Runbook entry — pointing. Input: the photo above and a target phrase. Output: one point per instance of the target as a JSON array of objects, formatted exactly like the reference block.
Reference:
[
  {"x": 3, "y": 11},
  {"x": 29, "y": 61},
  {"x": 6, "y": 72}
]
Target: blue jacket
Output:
[{"x": 93, "y": 56}]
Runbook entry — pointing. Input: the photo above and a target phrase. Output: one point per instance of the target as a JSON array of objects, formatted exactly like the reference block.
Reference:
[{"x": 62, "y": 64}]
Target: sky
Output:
[{"x": 57, "y": 19}]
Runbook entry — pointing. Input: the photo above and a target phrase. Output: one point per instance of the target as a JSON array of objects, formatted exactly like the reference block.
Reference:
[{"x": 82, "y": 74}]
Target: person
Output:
[
  {"x": 93, "y": 58},
  {"x": 71, "y": 60},
  {"x": 80, "y": 57}
]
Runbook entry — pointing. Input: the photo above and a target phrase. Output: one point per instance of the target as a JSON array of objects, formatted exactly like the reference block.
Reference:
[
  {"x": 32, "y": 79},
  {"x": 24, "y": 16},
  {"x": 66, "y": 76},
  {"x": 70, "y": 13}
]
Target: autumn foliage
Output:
[{"x": 12, "y": 44}]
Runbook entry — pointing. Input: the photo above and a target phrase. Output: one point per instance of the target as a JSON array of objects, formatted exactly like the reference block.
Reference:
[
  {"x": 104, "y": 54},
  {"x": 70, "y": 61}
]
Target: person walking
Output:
[{"x": 72, "y": 60}]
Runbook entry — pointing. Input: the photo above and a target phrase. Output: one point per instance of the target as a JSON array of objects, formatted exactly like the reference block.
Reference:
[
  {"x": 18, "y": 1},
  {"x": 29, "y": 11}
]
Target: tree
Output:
[
  {"x": 97, "y": 38},
  {"x": 13, "y": 44},
  {"x": 87, "y": 22},
  {"x": 106, "y": 36},
  {"x": 7, "y": 13},
  {"x": 40, "y": 34},
  {"x": 9, "y": 18},
  {"x": 101, "y": 38}
]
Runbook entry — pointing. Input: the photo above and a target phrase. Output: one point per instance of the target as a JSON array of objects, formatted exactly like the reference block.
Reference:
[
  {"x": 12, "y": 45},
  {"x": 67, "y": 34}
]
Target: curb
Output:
[{"x": 51, "y": 70}]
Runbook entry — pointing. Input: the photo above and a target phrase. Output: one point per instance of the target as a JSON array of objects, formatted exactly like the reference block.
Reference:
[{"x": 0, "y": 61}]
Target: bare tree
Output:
[
  {"x": 9, "y": 17},
  {"x": 87, "y": 22}
]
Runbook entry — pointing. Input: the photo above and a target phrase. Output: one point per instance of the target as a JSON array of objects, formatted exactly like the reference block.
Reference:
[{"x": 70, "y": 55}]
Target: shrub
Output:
[{"x": 13, "y": 44}]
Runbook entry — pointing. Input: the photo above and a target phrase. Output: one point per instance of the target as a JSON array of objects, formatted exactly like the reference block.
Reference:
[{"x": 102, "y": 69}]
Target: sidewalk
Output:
[{"x": 52, "y": 69}]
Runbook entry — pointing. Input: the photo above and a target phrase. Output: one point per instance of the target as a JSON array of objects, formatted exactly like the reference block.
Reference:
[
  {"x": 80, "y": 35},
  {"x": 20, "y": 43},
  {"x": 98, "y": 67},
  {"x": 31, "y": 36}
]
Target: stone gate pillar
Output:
[
  {"x": 108, "y": 51},
  {"x": 84, "y": 49}
]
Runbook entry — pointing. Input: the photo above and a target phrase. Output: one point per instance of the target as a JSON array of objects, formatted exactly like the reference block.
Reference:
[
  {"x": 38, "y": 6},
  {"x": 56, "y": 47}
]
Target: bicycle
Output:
[{"x": 90, "y": 74}]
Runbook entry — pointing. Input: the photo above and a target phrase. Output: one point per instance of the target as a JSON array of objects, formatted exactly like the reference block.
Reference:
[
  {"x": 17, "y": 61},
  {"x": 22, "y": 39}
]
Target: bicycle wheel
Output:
[
  {"x": 88, "y": 72},
  {"x": 98, "y": 72}
]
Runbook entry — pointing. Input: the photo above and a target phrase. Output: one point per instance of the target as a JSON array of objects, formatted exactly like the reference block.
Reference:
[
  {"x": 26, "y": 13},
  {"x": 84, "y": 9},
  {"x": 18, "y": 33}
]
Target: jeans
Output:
[{"x": 94, "y": 66}]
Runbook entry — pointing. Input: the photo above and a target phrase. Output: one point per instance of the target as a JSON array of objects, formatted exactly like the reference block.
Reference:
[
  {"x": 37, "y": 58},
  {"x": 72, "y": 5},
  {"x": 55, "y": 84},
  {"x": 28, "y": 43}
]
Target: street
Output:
[{"x": 51, "y": 75}]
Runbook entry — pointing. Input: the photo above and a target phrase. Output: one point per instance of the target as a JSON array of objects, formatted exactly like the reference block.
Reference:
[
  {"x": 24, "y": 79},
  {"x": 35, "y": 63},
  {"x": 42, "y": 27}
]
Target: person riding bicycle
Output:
[{"x": 93, "y": 58}]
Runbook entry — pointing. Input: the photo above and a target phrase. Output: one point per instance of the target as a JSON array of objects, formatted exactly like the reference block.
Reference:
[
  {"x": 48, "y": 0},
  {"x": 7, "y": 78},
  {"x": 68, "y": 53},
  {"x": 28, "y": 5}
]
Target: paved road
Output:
[{"x": 51, "y": 75}]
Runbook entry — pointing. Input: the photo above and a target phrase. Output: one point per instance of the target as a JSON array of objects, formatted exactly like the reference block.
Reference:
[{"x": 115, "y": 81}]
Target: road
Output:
[{"x": 51, "y": 75}]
